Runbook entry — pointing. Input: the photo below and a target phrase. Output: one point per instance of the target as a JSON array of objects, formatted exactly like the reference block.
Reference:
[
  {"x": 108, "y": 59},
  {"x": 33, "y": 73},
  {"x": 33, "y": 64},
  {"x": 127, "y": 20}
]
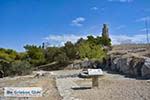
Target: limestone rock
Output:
[
  {"x": 127, "y": 65},
  {"x": 146, "y": 68}
]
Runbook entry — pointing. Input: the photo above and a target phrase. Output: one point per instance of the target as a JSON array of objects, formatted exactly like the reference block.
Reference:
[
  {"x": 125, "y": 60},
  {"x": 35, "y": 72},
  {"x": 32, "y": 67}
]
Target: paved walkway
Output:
[
  {"x": 65, "y": 86},
  {"x": 65, "y": 83}
]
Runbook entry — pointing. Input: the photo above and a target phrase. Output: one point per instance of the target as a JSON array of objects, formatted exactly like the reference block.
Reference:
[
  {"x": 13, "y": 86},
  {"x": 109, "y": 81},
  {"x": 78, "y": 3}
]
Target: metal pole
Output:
[{"x": 147, "y": 35}]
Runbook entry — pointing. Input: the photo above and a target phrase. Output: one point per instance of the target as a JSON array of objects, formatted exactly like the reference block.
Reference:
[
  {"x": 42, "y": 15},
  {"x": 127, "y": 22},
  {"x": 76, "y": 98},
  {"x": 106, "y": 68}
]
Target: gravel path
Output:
[
  {"x": 66, "y": 85},
  {"x": 115, "y": 90},
  {"x": 111, "y": 87}
]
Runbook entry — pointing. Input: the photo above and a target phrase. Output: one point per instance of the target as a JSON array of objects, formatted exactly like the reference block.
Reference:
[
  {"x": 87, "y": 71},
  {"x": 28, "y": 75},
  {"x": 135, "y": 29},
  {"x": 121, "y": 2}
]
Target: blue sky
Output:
[{"x": 56, "y": 21}]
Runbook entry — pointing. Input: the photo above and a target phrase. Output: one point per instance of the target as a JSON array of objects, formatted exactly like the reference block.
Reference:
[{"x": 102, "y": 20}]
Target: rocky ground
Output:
[
  {"x": 111, "y": 87},
  {"x": 65, "y": 85},
  {"x": 47, "y": 83},
  {"x": 114, "y": 89}
]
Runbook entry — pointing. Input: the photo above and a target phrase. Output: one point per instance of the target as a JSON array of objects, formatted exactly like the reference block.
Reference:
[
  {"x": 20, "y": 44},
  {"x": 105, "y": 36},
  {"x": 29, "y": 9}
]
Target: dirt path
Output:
[{"x": 111, "y": 87}]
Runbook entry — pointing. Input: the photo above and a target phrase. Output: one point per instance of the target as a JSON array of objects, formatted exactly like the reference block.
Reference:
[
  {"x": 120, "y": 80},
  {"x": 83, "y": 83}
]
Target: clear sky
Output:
[{"x": 56, "y": 21}]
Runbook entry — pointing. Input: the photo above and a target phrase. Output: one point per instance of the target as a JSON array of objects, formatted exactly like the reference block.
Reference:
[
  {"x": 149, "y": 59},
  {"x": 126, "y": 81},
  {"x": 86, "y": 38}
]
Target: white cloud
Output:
[
  {"x": 94, "y": 8},
  {"x": 122, "y": 39},
  {"x": 143, "y": 19},
  {"x": 78, "y": 21},
  {"x": 122, "y": 1},
  {"x": 59, "y": 40}
]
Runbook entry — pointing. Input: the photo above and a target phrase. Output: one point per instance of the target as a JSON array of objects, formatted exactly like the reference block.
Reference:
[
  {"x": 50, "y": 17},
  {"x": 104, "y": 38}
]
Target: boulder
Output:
[
  {"x": 83, "y": 64},
  {"x": 70, "y": 66},
  {"x": 122, "y": 65},
  {"x": 146, "y": 68},
  {"x": 114, "y": 64},
  {"x": 134, "y": 66},
  {"x": 86, "y": 64},
  {"x": 128, "y": 65},
  {"x": 1, "y": 74},
  {"x": 76, "y": 66}
]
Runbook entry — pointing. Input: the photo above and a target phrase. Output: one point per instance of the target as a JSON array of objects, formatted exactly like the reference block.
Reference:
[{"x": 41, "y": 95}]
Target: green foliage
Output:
[
  {"x": 91, "y": 39},
  {"x": 35, "y": 54},
  {"x": 5, "y": 67},
  {"x": 61, "y": 57},
  {"x": 51, "y": 53},
  {"x": 22, "y": 56},
  {"x": 106, "y": 41},
  {"x": 20, "y": 68},
  {"x": 10, "y": 63},
  {"x": 91, "y": 51},
  {"x": 55, "y": 54},
  {"x": 103, "y": 41},
  {"x": 80, "y": 41},
  {"x": 70, "y": 50},
  {"x": 8, "y": 54}
]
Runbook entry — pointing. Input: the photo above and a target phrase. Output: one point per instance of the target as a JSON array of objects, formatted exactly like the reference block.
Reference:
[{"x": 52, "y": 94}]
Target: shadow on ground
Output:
[{"x": 80, "y": 88}]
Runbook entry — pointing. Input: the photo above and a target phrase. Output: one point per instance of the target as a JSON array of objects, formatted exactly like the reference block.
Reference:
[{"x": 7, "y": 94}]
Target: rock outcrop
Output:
[
  {"x": 132, "y": 60},
  {"x": 80, "y": 64},
  {"x": 130, "y": 65},
  {"x": 146, "y": 68}
]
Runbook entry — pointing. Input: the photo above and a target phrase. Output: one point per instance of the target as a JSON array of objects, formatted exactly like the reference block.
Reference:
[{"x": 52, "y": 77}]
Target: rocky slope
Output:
[{"x": 131, "y": 60}]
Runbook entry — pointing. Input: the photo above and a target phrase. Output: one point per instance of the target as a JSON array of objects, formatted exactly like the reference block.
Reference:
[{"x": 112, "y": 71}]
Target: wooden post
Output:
[
  {"x": 95, "y": 73},
  {"x": 95, "y": 82}
]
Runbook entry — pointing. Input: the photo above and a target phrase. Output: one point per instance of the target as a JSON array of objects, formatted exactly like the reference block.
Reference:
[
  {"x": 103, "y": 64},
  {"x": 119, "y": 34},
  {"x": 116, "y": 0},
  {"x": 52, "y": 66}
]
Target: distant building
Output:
[{"x": 105, "y": 32}]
